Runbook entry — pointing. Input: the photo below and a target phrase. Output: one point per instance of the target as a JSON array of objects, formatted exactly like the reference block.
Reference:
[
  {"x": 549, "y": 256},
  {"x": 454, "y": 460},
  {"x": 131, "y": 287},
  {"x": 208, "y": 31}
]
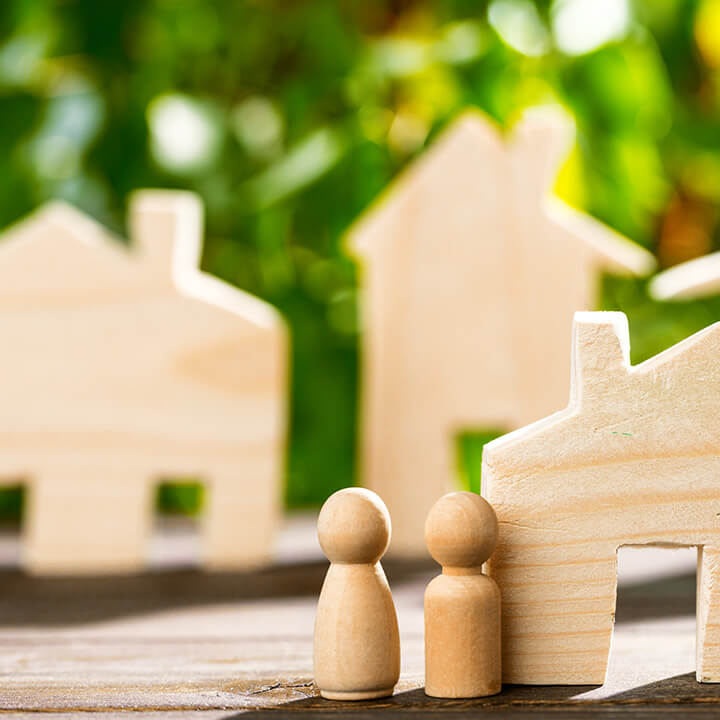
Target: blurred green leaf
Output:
[
  {"x": 11, "y": 504},
  {"x": 315, "y": 106},
  {"x": 180, "y": 498}
]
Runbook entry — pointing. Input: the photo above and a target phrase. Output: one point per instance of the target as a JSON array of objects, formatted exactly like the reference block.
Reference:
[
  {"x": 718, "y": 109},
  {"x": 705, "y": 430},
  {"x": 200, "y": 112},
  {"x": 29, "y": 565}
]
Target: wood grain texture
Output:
[
  {"x": 462, "y": 606},
  {"x": 178, "y": 643},
  {"x": 633, "y": 460},
  {"x": 470, "y": 274},
  {"x": 356, "y": 646},
  {"x": 125, "y": 366}
]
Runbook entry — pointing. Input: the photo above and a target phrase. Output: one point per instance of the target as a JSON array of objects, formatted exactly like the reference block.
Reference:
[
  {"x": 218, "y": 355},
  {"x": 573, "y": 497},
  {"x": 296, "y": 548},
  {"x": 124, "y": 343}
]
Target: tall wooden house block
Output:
[
  {"x": 121, "y": 367},
  {"x": 470, "y": 274}
]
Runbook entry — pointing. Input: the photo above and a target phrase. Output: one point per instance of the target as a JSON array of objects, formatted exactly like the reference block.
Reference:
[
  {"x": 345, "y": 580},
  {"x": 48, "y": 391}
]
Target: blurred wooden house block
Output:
[
  {"x": 471, "y": 274},
  {"x": 696, "y": 278},
  {"x": 124, "y": 366}
]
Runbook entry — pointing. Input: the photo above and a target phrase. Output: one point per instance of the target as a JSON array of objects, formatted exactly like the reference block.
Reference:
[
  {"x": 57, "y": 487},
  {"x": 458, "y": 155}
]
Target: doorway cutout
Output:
[
  {"x": 653, "y": 641},
  {"x": 176, "y": 537},
  {"x": 13, "y": 499}
]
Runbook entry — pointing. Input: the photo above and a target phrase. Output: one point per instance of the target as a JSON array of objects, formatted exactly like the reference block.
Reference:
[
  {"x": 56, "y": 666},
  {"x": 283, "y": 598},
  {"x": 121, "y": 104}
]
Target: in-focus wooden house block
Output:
[
  {"x": 633, "y": 460},
  {"x": 124, "y": 366},
  {"x": 692, "y": 279},
  {"x": 470, "y": 275}
]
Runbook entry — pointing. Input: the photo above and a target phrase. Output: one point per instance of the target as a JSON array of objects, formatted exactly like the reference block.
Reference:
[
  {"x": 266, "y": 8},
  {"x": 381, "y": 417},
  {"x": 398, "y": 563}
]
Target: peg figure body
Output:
[
  {"x": 462, "y": 606},
  {"x": 357, "y": 643}
]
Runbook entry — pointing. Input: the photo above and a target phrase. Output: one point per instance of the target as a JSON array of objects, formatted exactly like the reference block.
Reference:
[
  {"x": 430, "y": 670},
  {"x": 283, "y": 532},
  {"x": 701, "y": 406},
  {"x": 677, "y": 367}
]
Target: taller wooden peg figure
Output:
[
  {"x": 462, "y": 606},
  {"x": 357, "y": 643}
]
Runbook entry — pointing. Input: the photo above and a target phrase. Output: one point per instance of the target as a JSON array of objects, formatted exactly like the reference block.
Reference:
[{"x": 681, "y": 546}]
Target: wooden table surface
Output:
[{"x": 176, "y": 642}]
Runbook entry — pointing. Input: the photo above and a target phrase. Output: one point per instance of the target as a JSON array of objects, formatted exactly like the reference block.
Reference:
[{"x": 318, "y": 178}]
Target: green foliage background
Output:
[{"x": 309, "y": 108}]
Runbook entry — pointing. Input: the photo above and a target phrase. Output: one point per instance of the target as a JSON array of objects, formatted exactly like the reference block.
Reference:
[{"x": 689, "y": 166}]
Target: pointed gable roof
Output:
[
  {"x": 471, "y": 138},
  {"x": 57, "y": 225},
  {"x": 58, "y": 250},
  {"x": 474, "y": 146},
  {"x": 59, "y": 256}
]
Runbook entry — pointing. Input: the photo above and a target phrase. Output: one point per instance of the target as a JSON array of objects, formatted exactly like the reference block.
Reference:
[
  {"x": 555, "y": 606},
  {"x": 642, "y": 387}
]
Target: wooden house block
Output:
[
  {"x": 633, "y": 460},
  {"x": 693, "y": 279},
  {"x": 470, "y": 275},
  {"x": 124, "y": 366}
]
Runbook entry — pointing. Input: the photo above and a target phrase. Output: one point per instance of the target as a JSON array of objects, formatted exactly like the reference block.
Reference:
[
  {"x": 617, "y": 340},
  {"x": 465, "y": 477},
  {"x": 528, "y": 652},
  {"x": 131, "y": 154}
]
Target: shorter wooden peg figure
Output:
[
  {"x": 462, "y": 606},
  {"x": 357, "y": 643}
]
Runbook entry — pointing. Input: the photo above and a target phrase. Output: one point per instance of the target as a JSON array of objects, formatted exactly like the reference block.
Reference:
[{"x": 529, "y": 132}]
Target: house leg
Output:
[
  {"x": 85, "y": 520},
  {"x": 241, "y": 515},
  {"x": 708, "y": 615},
  {"x": 558, "y": 609}
]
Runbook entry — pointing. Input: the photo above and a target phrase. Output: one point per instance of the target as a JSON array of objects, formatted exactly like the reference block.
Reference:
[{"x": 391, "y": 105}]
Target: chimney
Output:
[
  {"x": 601, "y": 353},
  {"x": 166, "y": 229}
]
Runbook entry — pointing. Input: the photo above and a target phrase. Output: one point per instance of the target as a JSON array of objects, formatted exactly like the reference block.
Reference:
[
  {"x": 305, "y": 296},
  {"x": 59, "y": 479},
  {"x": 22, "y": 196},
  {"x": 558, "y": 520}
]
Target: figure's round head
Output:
[
  {"x": 461, "y": 530},
  {"x": 354, "y": 526}
]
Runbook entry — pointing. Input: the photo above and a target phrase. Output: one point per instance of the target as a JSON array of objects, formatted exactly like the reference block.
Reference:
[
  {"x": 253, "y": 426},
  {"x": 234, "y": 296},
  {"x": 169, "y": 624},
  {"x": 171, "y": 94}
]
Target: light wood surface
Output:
[
  {"x": 176, "y": 643},
  {"x": 470, "y": 273},
  {"x": 633, "y": 460},
  {"x": 356, "y": 653},
  {"x": 122, "y": 367},
  {"x": 693, "y": 279},
  {"x": 462, "y": 606}
]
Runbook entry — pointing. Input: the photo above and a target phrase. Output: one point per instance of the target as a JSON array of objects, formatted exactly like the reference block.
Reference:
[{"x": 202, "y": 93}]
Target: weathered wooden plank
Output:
[
  {"x": 179, "y": 641},
  {"x": 646, "y": 712}
]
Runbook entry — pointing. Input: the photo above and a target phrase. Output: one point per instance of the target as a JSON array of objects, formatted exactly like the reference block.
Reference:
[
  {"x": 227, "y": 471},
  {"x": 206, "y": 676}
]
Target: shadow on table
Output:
[
  {"x": 27, "y": 600},
  {"x": 670, "y": 596},
  {"x": 415, "y": 702},
  {"x": 678, "y": 696}
]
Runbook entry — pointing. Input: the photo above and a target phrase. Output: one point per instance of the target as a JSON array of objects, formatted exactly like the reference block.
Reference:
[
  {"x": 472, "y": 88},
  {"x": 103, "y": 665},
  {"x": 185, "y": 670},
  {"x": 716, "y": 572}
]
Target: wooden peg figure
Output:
[
  {"x": 462, "y": 606},
  {"x": 357, "y": 643}
]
